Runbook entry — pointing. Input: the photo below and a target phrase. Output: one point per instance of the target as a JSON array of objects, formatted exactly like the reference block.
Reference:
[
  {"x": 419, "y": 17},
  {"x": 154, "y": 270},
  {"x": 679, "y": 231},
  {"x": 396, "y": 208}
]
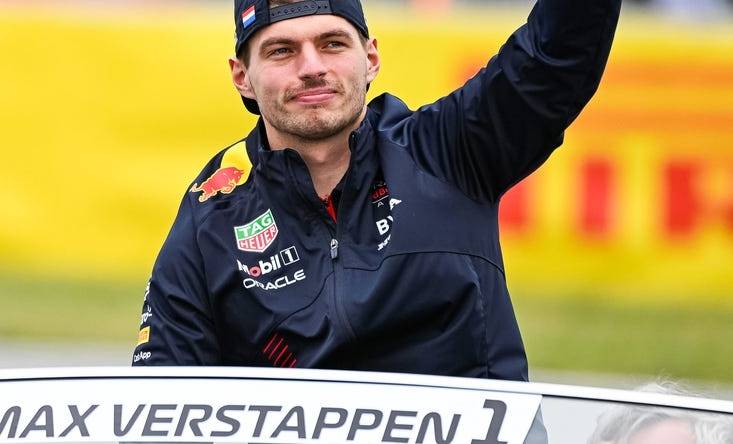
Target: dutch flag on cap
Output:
[{"x": 248, "y": 16}]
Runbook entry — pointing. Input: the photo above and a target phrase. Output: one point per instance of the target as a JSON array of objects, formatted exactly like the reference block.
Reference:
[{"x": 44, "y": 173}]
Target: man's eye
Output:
[
  {"x": 334, "y": 45},
  {"x": 279, "y": 51}
]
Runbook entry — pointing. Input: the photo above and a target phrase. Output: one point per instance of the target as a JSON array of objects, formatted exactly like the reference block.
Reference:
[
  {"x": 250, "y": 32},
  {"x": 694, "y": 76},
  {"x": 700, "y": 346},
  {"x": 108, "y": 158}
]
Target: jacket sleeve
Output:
[
  {"x": 504, "y": 122},
  {"x": 177, "y": 327}
]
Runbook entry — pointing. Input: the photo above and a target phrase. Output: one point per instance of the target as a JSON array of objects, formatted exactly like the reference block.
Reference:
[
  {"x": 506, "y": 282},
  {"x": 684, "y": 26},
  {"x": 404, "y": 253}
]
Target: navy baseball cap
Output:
[{"x": 253, "y": 15}]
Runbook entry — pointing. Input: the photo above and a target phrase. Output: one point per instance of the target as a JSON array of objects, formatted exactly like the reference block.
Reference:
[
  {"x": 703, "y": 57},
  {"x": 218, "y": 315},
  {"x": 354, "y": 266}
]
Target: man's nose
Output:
[{"x": 311, "y": 63}]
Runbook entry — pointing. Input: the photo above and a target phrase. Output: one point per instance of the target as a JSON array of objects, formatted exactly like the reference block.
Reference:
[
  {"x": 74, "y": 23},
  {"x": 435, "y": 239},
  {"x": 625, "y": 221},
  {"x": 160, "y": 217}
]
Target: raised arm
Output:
[{"x": 504, "y": 122}]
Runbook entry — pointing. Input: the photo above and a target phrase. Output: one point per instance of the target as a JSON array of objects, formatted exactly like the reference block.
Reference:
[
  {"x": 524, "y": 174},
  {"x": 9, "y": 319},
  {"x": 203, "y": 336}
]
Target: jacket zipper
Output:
[
  {"x": 334, "y": 249},
  {"x": 334, "y": 245}
]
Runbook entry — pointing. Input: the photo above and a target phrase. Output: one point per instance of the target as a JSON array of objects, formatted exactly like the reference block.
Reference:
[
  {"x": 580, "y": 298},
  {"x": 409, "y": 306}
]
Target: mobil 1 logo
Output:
[{"x": 273, "y": 263}]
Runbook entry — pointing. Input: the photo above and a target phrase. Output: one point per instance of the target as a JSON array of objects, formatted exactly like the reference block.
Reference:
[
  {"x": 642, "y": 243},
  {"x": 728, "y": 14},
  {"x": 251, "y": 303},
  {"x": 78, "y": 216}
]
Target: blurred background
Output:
[{"x": 619, "y": 250}]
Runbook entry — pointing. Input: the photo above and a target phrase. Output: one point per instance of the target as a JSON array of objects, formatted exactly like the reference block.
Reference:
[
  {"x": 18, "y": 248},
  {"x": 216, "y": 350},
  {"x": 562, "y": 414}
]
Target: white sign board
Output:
[{"x": 259, "y": 410}]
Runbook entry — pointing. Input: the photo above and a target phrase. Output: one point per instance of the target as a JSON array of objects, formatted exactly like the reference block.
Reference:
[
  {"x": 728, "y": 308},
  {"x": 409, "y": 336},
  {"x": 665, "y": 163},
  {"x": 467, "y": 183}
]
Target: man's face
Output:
[{"x": 309, "y": 75}]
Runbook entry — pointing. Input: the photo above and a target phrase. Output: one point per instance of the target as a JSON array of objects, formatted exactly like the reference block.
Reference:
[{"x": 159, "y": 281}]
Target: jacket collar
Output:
[
  {"x": 284, "y": 177},
  {"x": 257, "y": 141},
  {"x": 258, "y": 145}
]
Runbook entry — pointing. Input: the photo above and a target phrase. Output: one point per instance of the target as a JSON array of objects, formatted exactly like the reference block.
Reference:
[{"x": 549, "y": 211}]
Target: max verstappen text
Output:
[{"x": 251, "y": 423}]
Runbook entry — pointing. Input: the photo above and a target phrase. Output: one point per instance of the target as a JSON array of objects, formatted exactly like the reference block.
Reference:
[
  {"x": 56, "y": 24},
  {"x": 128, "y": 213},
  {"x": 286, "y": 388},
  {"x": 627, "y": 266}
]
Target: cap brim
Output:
[{"x": 251, "y": 105}]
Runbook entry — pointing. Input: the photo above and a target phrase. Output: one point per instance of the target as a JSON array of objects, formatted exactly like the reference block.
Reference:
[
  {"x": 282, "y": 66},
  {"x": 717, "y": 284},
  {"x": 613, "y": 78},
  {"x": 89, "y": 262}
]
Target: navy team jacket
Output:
[{"x": 410, "y": 279}]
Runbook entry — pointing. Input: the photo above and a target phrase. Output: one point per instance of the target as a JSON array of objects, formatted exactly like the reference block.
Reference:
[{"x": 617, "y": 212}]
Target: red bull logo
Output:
[{"x": 224, "y": 180}]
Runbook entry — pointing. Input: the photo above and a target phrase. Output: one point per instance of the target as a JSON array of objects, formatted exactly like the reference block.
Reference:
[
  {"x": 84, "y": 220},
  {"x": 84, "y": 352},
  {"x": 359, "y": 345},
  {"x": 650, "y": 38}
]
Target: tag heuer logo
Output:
[{"x": 257, "y": 235}]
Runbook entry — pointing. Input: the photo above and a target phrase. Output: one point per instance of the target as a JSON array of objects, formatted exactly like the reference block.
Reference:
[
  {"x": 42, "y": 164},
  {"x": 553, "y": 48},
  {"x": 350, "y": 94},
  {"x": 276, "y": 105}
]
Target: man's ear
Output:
[
  {"x": 373, "y": 61},
  {"x": 240, "y": 78}
]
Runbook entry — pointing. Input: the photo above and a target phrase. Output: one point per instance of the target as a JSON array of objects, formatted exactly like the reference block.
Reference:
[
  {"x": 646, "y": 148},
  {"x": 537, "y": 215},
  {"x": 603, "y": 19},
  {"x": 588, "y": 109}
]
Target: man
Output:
[
  {"x": 340, "y": 235},
  {"x": 644, "y": 424}
]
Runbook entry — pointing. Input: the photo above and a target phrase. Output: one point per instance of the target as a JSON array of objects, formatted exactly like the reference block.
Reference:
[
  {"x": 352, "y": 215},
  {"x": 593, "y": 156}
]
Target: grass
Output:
[
  {"x": 651, "y": 338},
  {"x": 58, "y": 310},
  {"x": 578, "y": 333}
]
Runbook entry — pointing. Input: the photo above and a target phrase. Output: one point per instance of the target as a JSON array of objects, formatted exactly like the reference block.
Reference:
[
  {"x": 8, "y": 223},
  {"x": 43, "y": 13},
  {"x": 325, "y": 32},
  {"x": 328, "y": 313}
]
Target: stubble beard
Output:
[{"x": 318, "y": 122}]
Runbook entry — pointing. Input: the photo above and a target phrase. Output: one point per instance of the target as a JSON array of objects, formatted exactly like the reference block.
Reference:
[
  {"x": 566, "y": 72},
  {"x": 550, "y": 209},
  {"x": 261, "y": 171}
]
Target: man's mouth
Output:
[{"x": 314, "y": 96}]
